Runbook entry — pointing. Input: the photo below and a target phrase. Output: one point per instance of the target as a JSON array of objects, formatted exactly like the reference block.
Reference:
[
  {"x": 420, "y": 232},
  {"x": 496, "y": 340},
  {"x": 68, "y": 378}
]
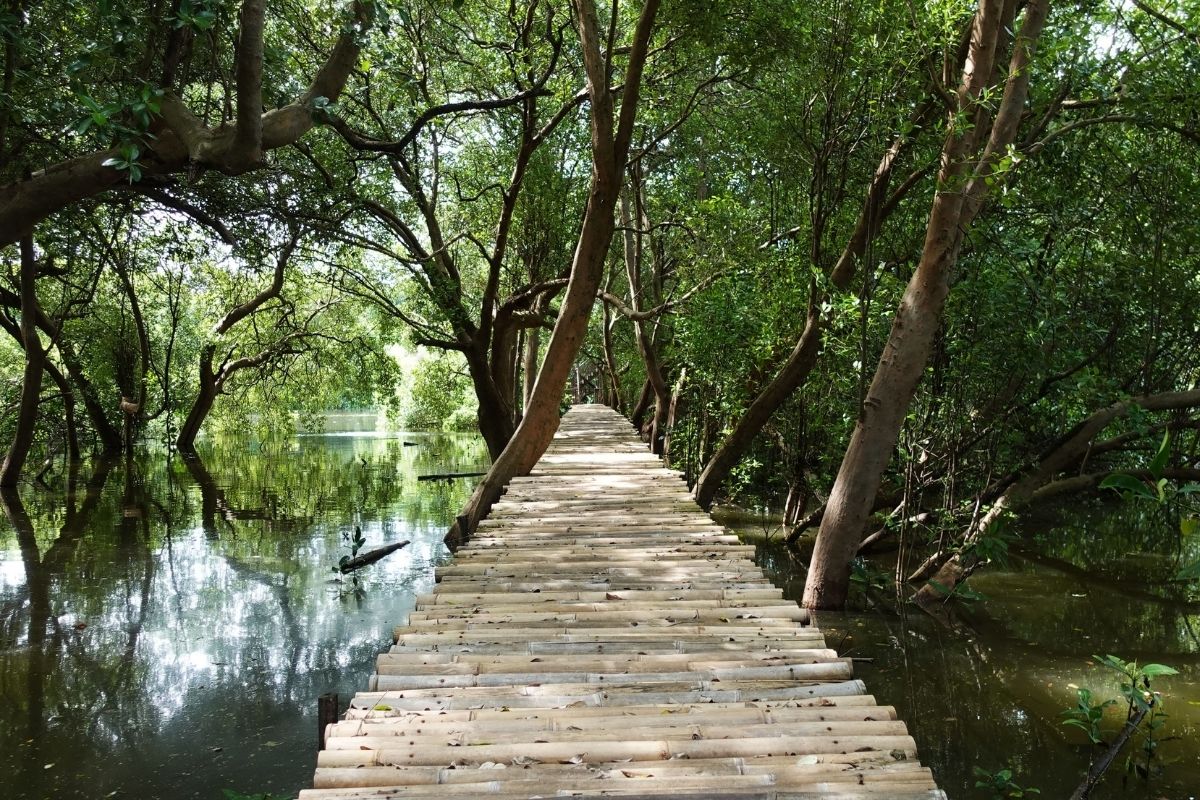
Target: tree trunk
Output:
[
  {"x": 68, "y": 398},
  {"x": 610, "y": 362},
  {"x": 654, "y": 373},
  {"x": 638, "y": 415},
  {"x": 1066, "y": 455},
  {"x": 794, "y": 372},
  {"x": 496, "y": 417},
  {"x": 202, "y": 405},
  {"x": 877, "y": 207},
  {"x": 109, "y": 435},
  {"x": 672, "y": 415},
  {"x": 532, "y": 344},
  {"x": 917, "y": 320},
  {"x": 609, "y": 150},
  {"x": 31, "y": 380}
]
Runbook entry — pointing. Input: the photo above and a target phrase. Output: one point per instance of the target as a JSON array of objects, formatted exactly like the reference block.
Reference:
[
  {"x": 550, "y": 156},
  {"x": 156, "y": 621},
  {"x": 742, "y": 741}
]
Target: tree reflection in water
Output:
[{"x": 166, "y": 627}]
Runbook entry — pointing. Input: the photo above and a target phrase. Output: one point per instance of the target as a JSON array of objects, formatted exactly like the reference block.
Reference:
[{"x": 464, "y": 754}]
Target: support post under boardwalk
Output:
[
  {"x": 600, "y": 634},
  {"x": 327, "y": 714}
]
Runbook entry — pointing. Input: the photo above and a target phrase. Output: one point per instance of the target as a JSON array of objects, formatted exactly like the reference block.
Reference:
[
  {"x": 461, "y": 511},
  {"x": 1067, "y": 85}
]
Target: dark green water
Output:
[
  {"x": 1093, "y": 580},
  {"x": 166, "y": 629}
]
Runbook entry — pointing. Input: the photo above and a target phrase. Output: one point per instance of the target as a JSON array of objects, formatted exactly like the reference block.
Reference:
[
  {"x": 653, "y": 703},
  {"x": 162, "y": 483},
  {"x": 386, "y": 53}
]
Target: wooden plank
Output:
[{"x": 602, "y": 636}]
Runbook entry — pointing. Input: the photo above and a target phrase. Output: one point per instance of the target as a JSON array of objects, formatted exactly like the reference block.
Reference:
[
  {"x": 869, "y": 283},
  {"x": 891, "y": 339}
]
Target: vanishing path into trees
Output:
[{"x": 602, "y": 635}]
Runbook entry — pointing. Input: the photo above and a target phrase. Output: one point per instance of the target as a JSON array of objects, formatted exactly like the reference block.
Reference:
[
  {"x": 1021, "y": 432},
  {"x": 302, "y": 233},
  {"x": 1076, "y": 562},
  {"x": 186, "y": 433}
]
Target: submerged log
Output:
[
  {"x": 446, "y": 476},
  {"x": 369, "y": 557}
]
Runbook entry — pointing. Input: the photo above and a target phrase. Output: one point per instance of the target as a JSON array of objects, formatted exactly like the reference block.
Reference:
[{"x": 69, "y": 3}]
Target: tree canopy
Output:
[{"x": 888, "y": 267}]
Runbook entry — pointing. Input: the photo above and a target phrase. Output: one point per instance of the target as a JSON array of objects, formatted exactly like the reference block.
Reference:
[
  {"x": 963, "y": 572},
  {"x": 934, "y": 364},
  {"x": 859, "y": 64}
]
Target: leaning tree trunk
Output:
[
  {"x": 202, "y": 405},
  {"x": 31, "y": 380},
  {"x": 654, "y": 373},
  {"x": 533, "y": 341},
  {"x": 109, "y": 435},
  {"x": 879, "y": 204},
  {"x": 68, "y": 399},
  {"x": 610, "y": 147},
  {"x": 909, "y": 344},
  {"x": 1065, "y": 456}
]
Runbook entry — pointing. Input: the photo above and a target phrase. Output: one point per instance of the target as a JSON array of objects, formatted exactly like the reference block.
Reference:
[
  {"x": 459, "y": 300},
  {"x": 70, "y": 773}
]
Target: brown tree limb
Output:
[{"x": 183, "y": 145}]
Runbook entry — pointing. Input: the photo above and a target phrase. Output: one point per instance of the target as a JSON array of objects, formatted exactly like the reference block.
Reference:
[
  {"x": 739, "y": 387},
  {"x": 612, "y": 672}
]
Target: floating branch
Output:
[{"x": 369, "y": 557}]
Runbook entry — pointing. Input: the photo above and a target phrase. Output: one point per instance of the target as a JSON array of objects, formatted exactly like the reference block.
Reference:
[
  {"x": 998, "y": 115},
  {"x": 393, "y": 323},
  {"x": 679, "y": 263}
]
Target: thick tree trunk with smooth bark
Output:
[
  {"x": 31, "y": 378},
  {"x": 961, "y": 186}
]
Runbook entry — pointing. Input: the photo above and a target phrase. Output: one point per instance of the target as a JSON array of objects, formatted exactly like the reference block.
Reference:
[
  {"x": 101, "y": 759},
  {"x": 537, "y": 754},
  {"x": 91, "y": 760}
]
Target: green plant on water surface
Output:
[
  {"x": 1001, "y": 783},
  {"x": 1145, "y": 706},
  {"x": 1087, "y": 715},
  {"x": 869, "y": 577},
  {"x": 1144, "y": 714}
]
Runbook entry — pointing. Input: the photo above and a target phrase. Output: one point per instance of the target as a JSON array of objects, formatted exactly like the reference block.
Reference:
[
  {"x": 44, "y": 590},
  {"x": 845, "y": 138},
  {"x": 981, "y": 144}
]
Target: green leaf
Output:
[
  {"x": 1125, "y": 483},
  {"x": 1155, "y": 670},
  {"x": 1160, "y": 458}
]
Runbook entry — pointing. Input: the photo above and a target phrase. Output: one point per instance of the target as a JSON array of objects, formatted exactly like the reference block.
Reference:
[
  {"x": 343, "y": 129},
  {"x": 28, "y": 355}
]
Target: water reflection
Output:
[
  {"x": 1094, "y": 580},
  {"x": 166, "y": 626}
]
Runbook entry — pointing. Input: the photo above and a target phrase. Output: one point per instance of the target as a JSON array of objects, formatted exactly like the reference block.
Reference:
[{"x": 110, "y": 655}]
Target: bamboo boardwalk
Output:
[{"x": 602, "y": 636}]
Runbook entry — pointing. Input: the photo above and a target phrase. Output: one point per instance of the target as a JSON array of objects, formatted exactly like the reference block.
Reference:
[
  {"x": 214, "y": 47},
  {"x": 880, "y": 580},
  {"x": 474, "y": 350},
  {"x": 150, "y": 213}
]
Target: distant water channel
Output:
[
  {"x": 1092, "y": 579},
  {"x": 165, "y": 629}
]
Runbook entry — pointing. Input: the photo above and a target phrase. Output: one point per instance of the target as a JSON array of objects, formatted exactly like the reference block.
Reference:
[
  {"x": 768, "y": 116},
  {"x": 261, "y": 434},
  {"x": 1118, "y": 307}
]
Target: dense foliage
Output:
[{"x": 280, "y": 202}]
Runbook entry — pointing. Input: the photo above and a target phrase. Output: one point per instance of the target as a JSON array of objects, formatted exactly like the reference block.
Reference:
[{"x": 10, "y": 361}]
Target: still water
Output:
[
  {"x": 1093, "y": 579},
  {"x": 166, "y": 626}
]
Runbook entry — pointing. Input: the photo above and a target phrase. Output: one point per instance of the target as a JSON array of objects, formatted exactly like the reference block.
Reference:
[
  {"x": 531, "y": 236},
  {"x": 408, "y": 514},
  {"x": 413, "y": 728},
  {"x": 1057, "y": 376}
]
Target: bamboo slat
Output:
[{"x": 601, "y": 636}]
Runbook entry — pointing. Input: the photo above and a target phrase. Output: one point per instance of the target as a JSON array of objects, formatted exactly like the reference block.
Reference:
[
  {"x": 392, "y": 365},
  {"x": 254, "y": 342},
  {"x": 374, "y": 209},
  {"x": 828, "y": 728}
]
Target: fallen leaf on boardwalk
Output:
[
  {"x": 575, "y": 759},
  {"x": 492, "y": 765},
  {"x": 524, "y": 761},
  {"x": 611, "y": 596}
]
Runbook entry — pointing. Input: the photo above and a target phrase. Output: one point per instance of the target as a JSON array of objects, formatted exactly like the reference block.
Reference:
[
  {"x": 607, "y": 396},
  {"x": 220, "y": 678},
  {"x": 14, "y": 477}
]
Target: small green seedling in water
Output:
[
  {"x": 1087, "y": 716},
  {"x": 1001, "y": 784}
]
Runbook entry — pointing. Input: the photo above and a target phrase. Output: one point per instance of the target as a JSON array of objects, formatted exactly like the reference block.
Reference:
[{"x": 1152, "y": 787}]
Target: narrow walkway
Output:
[{"x": 602, "y": 636}]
